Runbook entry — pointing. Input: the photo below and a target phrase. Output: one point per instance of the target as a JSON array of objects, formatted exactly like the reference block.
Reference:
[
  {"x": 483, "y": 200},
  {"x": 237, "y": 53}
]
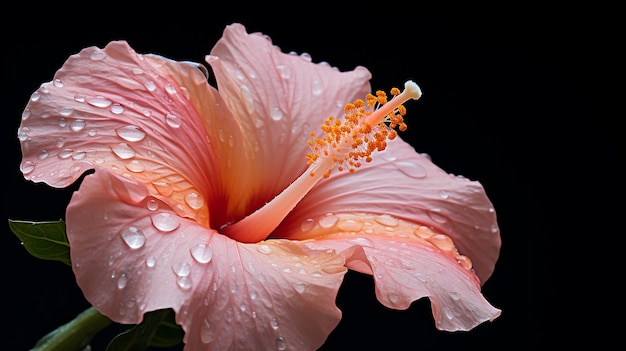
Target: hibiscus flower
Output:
[{"x": 221, "y": 204}]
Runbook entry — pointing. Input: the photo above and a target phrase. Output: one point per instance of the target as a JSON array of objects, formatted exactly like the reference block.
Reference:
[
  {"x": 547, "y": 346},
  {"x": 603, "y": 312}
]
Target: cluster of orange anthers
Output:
[{"x": 349, "y": 140}]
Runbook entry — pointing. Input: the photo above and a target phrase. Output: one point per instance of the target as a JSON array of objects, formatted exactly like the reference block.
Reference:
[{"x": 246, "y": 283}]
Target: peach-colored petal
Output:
[
  {"x": 114, "y": 109},
  {"x": 409, "y": 262},
  {"x": 403, "y": 184},
  {"x": 278, "y": 98},
  {"x": 132, "y": 254}
]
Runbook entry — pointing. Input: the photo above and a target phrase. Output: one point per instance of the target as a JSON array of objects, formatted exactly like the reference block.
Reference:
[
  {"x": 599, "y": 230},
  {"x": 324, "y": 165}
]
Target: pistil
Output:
[{"x": 365, "y": 128}]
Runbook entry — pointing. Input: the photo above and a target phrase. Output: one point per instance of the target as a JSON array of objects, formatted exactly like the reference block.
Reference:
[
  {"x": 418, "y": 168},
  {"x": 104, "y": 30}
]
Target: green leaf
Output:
[
  {"x": 139, "y": 337},
  {"x": 168, "y": 334},
  {"x": 45, "y": 240}
]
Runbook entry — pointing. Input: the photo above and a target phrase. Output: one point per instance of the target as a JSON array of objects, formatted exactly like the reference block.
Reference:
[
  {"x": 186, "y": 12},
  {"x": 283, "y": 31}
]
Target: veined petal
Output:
[
  {"x": 278, "y": 99},
  {"x": 114, "y": 109},
  {"x": 132, "y": 254},
  {"x": 405, "y": 185},
  {"x": 408, "y": 264}
]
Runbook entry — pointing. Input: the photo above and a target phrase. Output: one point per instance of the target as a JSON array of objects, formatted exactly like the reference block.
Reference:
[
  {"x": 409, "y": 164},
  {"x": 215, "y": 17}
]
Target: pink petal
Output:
[
  {"x": 278, "y": 99},
  {"x": 132, "y": 254},
  {"x": 407, "y": 267},
  {"x": 405, "y": 185},
  {"x": 115, "y": 109}
]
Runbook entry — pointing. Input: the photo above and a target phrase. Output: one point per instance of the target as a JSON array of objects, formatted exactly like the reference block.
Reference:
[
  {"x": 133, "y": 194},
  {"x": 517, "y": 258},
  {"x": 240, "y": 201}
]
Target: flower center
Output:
[{"x": 346, "y": 142}]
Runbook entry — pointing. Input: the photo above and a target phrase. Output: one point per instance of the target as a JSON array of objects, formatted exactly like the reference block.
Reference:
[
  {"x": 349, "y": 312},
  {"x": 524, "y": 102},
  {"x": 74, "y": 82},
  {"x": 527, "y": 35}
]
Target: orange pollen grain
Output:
[{"x": 349, "y": 140}]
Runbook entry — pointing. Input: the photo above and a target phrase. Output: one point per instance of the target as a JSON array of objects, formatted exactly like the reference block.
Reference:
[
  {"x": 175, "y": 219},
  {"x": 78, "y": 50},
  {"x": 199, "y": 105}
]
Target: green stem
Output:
[{"x": 76, "y": 334}]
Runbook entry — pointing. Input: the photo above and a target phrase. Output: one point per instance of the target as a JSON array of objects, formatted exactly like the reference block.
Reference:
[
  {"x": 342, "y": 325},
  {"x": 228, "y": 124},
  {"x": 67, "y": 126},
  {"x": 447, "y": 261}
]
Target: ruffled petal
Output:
[
  {"x": 278, "y": 99},
  {"x": 132, "y": 254},
  {"x": 403, "y": 184},
  {"x": 409, "y": 262},
  {"x": 115, "y": 109}
]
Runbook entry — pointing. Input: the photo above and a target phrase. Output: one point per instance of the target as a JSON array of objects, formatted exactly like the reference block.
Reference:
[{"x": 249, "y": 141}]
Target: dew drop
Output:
[
  {"x": 300, "y": 287},
  {"x": 206, "y": 332},
  {"x": 152, "y": 205},
  {"x": 328, "y": 220},
  {"x": 97, "y": 55},
  {"x": 122, "y": 281},
  {"x": 130, "y": 133},
  {"x": 35, "y": 96},
  {"x": 165, "y": 221},
  {"x": 274, "y": 324},
  {"x": 362, "y": 242},
  {"x": 435, "y": 215},
  {"x": 25, "y": 114},
  {"x": 65, "y": 153},
  {"x": 285, "y": 71},
  {"x": 27, "y": 167},
  {"x": 150, "y": 261},
  {"x": 316, "y": 87},
  {"x": 62, "y": 122},
  {"x": 133, "y": 237},
  {"x": 163, "y": 187},
  {"x": 253, "y": 295},
  {"x": 43, "y": 154},
  {"x": 150, "y": 86},
  {"x": 135, "y": 166},
  {"x": 386, "y": 220},
  {"x": 173, "y": 120},
  {"x": 92, "y": 132},
  {"x": 306, "y": 56},
  {"x": 442, "y": 241},
  {"x": 276, "y": 114},
  {"x": 494, "y": 228},
  {"x": 99, "y": 101},
  {"x": 181, "y": 269},
  {"x": 307, "y": 225},
  {"x": 58, "y": 83},
  {"x": 201, "y": 253},
  {"x": 350, "y": 225},
  {"x": 170, "y": 89},
  {"x": 66, "y": 111},
  {"x": 443, "y": 194},
  {"x": 264, "y": 249},
  {"x": 117, "y": 109},
  {"x": 194, "y": 200},
  {"x": 411, "y": 169},
  {"x": 123, "y": 151},
  {"x": 79, "y": 98},
  {"x": 281, "y": 344},
  {"x": 184, "y": 283}
]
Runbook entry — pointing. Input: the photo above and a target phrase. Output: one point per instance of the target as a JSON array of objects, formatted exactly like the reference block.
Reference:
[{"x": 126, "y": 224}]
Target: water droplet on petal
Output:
[
  {"x": 152, "y": 205},
  {"x": 150, "y": 261},
  {"x": 133, "y": 237},
  {"x": 328, "y": 220},
  {"x": 206, "y": 332},
  {"x": 435, "y": 215},
  {"x": 173, "y": 120},
  {"x": 62, "y": 122},
  {"x": 117, "y": 109},
  {"x": 307, "y": 225},
  {"x": 43, "y": 154},
  {"x": 165, "y": 221},
  {"x": 285, "y": 71},
  {"x": 150, "y": 86},
  {"x": 97, "y": 55},
  {"x": 300, "y": 287},
  {"x": 27, "y": 167},
  {"x": 264, "y": 249},
  {"x": 362, "y": 242},
  {"x": 276, "y": 113},
  {"x": 316, "y": 87},
  {"x": 25, "y": 114},
  {"x": 130, "y": 133},
  {"x": 194, "y": 200},
  {"x": 281, "y": 344},
  {"x": 184, "y": 283},
  {"x": 350, "y": 225},
  {"x": 123, "y": 151},
  {"x": 135, "y": 166},
  {"x": 274, "y": 323},
  {"x": 201, "y": 253},
  {"x": 411, "y": 169},
  {"x": 443, "y": 194},
  {"x": 386, "y": 220},
  {"x": 35, "y": 96},
  {"x": 442, "y": 241},
  {"x": 99, "y": 101},
  {"x": 122, "y": 281},
  {"x": 181, "y": 269},
  {"x": 58, "y": 83}
]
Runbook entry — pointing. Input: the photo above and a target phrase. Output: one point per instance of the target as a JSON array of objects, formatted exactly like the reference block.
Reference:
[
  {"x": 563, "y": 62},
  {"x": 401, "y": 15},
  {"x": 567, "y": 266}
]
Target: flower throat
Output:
[{"x": 345, "y": 143}]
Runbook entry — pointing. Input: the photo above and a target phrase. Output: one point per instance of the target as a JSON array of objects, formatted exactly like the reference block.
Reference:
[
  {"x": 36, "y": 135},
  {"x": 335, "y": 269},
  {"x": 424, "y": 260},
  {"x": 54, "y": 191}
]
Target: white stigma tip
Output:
[{"x": 412, "y": 90}]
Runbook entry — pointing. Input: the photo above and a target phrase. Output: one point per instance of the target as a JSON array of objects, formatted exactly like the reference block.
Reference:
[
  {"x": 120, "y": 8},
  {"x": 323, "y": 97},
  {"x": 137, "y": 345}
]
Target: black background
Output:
[{"x": 513, "y": 98}]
